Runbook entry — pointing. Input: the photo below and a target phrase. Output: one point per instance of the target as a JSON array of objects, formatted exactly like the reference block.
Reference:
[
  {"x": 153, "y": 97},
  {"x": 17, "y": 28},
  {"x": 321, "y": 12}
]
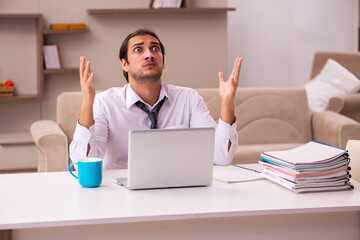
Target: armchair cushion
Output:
[
  {"x": 334, "y": 129},
  {"x": 348, "y": 105},
  {"x": 266, "y": 115},
  {"x": 333, "y": 80},
  {"x": 67, "y": 112}
]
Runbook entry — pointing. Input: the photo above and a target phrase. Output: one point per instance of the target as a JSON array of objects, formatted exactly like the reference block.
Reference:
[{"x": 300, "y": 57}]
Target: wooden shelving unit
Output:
[
  {"x": 39, "y": 58},
  {"x": 40, "y": 39},
  {"x": 14, "y": 142},
  {"x": 159, "y": 10}
]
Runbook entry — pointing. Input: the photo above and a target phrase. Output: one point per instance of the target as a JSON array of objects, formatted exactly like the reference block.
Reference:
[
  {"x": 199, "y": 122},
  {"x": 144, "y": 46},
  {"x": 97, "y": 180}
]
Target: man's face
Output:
[{"x": 145, "y": 60}]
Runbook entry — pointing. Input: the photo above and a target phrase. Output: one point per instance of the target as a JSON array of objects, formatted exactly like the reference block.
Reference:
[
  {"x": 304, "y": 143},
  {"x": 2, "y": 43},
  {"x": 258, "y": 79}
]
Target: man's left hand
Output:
[{"x": 227, "y": 91}]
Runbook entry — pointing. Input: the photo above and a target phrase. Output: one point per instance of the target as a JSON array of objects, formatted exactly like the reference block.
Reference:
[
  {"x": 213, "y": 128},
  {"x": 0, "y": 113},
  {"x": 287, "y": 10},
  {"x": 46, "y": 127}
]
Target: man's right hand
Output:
[{"x": 86, "y": 118}]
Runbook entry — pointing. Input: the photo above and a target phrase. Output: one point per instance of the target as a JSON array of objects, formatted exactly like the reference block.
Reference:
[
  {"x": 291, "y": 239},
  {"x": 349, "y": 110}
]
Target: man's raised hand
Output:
[
  {"x": 227, "y": 91},
  {"x": 86, "y": 118}
]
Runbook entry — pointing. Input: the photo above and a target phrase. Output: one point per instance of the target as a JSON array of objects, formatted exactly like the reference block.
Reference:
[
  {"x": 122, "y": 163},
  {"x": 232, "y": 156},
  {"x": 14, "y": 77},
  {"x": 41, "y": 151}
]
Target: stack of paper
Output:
[{"x": 311, "y": 167}]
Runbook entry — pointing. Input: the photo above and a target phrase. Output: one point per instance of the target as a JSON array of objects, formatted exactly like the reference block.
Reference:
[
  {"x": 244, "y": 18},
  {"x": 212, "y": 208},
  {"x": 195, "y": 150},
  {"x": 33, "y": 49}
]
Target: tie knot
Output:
[
  {"x": 142, "y": 106},
  {"x": 152, "y": 114}
]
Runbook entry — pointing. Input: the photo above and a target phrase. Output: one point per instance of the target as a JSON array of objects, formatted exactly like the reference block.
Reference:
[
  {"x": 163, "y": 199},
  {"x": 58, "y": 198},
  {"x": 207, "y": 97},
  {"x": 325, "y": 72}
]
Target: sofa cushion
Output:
[{"x": 266, "y": 115}]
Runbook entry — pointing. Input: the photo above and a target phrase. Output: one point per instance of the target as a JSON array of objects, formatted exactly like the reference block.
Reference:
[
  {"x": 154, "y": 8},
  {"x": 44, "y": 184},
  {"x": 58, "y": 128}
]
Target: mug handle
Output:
[{"x": 69, "y": 168}]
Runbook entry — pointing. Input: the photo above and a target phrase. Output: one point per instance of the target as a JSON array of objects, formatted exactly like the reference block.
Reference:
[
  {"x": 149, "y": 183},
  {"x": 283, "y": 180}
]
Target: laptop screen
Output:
[{"x": 170, "y": 157}]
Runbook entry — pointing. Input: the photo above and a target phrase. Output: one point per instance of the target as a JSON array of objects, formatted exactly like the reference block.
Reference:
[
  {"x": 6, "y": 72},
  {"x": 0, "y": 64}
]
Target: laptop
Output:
[{"x": 167, "y": 158}]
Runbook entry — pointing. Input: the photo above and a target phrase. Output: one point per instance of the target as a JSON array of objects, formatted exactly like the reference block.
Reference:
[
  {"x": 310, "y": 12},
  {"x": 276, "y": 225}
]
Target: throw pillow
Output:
[{"x": 333, "y": 80}]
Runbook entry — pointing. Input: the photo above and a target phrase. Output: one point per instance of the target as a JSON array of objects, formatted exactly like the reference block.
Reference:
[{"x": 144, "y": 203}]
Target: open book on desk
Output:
[{"x": 238, "y": 173}]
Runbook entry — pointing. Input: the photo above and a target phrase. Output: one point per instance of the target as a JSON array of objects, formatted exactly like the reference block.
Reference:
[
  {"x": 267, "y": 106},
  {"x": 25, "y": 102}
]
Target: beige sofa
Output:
[
  {"x": 348, "y": 104},
  {"x": 267, "y": 119}
]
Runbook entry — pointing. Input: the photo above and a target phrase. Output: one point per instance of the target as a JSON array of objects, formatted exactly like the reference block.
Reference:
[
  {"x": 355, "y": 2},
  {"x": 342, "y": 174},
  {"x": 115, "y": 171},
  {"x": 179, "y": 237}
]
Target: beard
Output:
[{"x": 144, "y": 77}]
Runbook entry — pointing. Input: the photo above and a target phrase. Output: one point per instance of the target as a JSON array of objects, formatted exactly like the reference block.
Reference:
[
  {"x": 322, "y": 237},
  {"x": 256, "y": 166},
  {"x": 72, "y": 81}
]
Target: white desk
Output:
[{"x": 55, "y": 206}]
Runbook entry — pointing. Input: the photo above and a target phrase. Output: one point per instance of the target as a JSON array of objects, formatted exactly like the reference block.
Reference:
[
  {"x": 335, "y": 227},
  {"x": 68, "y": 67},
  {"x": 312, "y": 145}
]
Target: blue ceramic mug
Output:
[{"x": 89, "y": 172}]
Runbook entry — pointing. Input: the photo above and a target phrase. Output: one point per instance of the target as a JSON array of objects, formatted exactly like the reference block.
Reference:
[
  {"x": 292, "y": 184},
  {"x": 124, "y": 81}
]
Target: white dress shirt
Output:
[{"x": 115, "y": 113}]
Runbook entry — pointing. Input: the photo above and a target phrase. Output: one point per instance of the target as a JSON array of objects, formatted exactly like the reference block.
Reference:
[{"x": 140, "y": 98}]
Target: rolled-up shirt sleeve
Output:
[
  {"x": 95, "y": 136},
  {"x": 79, "y": 144},
  {"x": 224, "y": 132}
]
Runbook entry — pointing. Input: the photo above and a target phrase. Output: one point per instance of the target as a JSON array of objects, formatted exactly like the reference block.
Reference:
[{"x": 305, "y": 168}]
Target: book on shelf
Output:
[
  {"x": 51, "y": 57},
  {"x": 67, "y": 26},
  {"x": 312, "y": 167},
  {"x": 77, "y": 26},
  {"x": 166, "y": 3}
]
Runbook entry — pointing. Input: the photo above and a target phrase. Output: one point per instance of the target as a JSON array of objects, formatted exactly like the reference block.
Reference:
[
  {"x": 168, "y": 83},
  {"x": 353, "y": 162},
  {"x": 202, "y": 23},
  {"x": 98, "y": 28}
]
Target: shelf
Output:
[
  {"x": 20, "y": 15},
  {"x": 18, "y": 98},
  {"x": 15, "y": 138},
  {"x": 59, "y": 71},
  {"x": 159, "y": 10},
  {"x": 72, "y": 31}
]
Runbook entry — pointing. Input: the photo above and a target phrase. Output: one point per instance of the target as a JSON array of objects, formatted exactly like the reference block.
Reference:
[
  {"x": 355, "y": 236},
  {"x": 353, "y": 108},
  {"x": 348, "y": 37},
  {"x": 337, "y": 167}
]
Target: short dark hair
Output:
[{"x": 124, "y": 46}]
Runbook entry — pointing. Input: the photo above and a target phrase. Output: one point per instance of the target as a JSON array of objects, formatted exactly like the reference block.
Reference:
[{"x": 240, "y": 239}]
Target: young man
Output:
[{"x": 145, "y": 102}]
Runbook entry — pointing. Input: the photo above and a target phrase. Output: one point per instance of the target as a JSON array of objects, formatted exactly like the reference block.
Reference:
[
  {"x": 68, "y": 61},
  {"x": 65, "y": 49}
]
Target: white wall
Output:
[{"x": 278, "y": 38}]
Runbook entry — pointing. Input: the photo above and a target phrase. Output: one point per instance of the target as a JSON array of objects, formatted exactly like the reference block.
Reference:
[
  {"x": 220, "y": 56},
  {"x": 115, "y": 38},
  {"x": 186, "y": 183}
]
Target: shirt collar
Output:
[{"x": 132, "y": 97}]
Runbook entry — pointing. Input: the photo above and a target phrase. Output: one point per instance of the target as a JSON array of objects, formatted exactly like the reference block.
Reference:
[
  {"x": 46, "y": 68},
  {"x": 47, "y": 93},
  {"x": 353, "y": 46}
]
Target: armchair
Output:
[
  {"x": 52, "y": 138},
  {"x": 353, "y": 146},
  {"x": 349, "y": 104},
  {"x": 267, "y": 119}
]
